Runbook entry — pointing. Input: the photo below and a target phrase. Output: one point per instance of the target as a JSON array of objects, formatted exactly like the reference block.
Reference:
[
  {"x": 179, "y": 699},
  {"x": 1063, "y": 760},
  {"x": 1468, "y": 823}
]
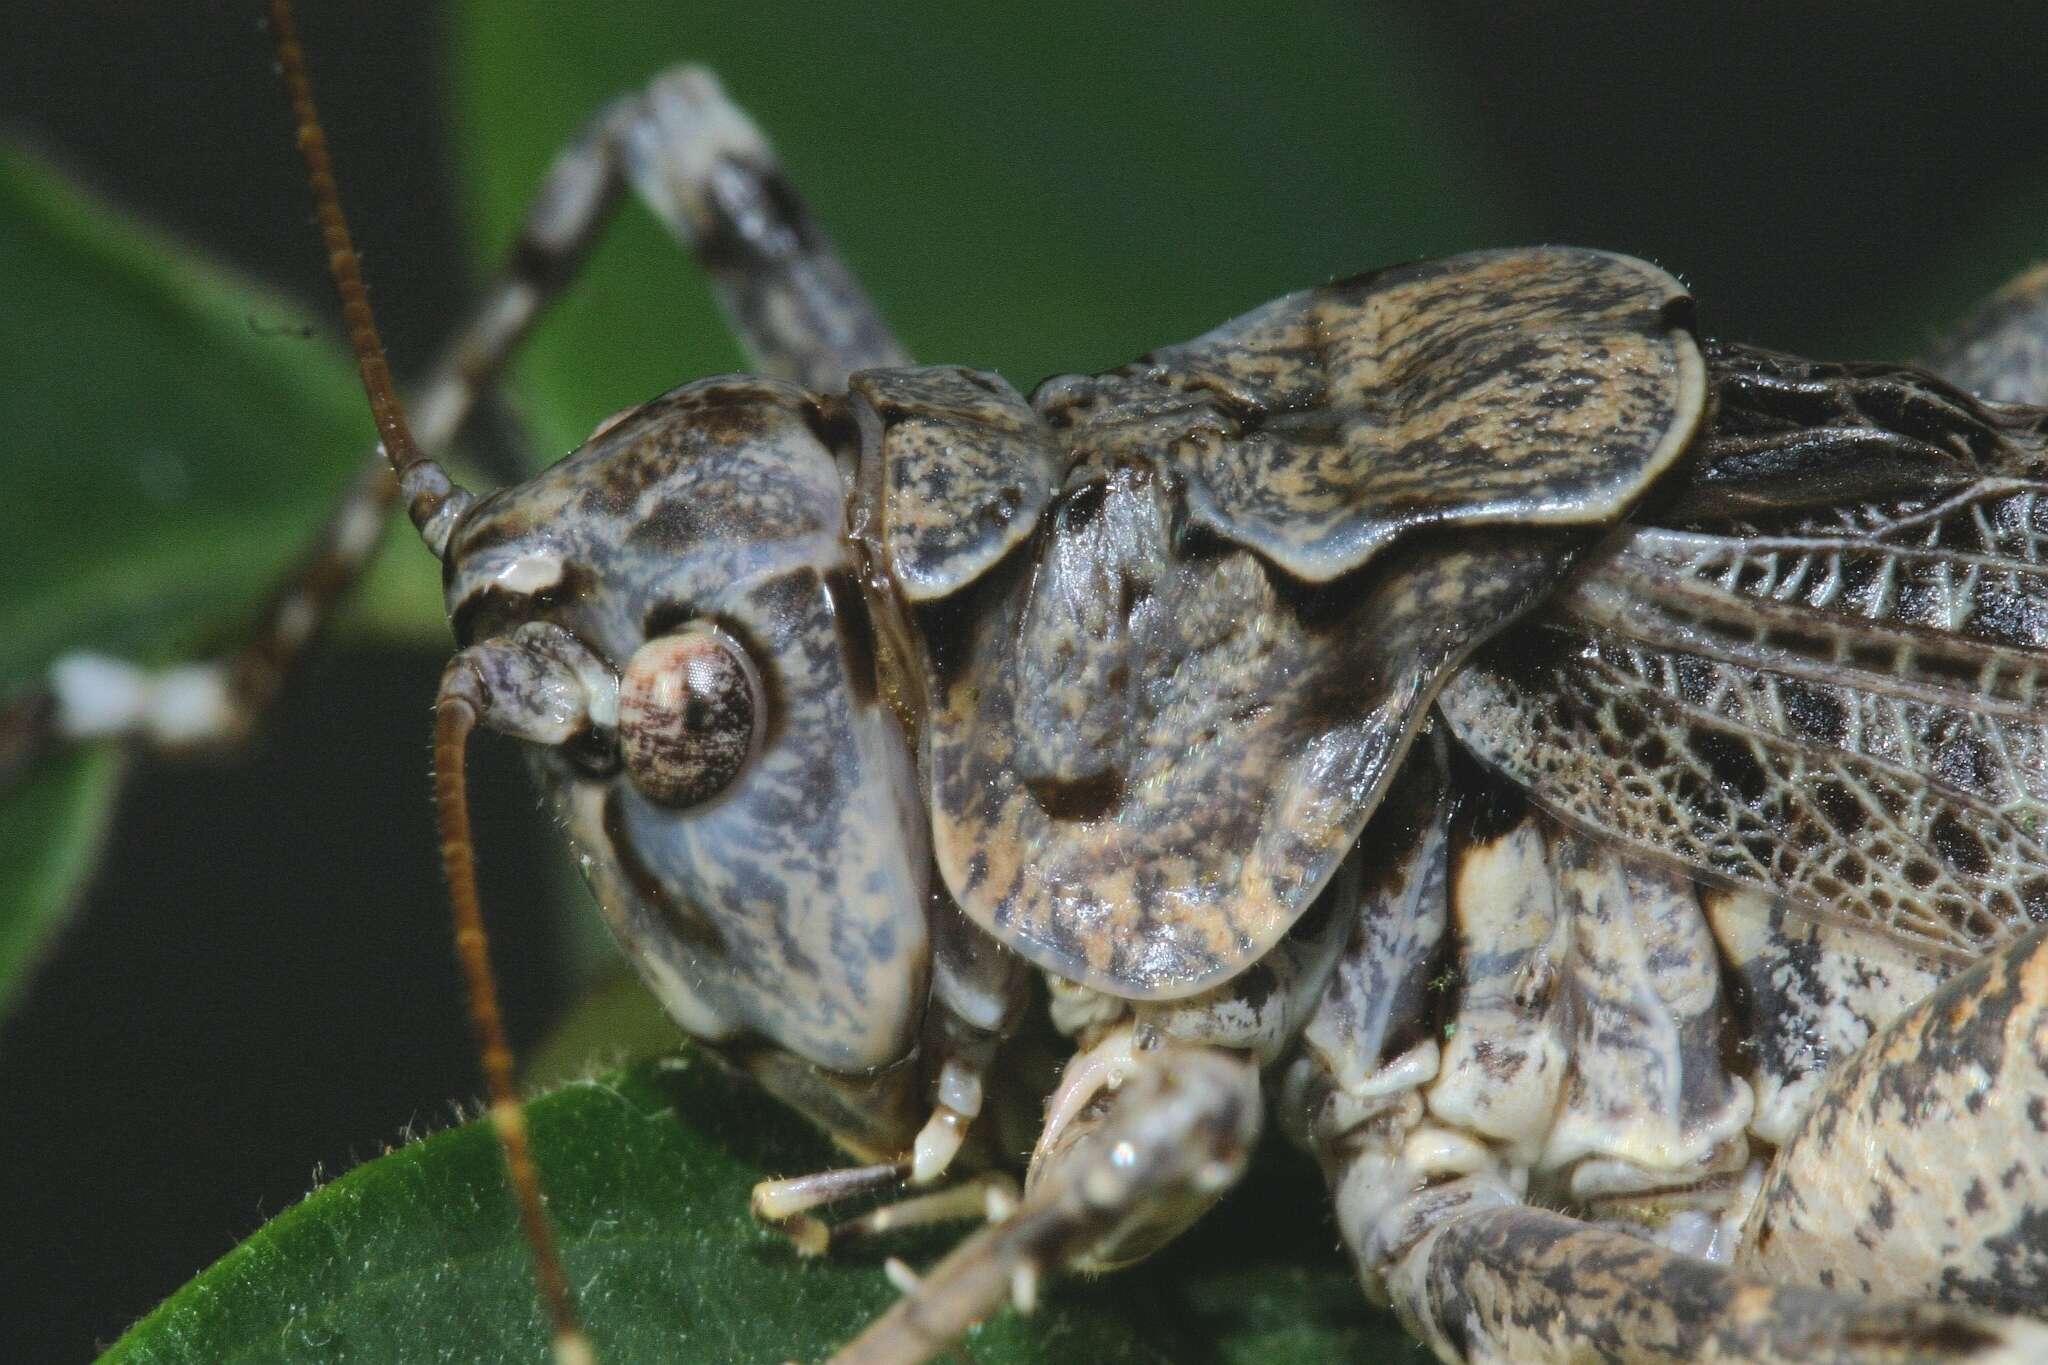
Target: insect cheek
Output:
[{"x": 691, "y": 712}]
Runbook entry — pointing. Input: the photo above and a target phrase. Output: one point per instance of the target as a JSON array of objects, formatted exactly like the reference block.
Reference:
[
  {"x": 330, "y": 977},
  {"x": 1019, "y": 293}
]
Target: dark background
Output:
[{"x": 1829, "y": 178}]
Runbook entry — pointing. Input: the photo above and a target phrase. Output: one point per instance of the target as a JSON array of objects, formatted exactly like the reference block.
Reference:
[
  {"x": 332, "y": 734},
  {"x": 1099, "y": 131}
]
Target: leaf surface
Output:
[
  {"x": 174, "y": 434},
  {"x": 416, "y": 1256}
]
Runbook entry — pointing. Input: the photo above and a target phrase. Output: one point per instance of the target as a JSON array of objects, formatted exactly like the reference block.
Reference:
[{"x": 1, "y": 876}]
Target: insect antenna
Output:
[
  {"x": 435, "y": 502},
  {"x": 436, "y": 505},
  {"x": 455, "y": 716}
]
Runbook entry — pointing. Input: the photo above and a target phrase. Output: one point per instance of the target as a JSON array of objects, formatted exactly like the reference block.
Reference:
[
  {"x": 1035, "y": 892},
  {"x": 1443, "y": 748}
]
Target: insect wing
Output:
[{"x": 1842, "y": 703}]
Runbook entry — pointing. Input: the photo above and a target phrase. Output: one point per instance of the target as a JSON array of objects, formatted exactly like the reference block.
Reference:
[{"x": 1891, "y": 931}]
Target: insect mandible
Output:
[{"x": 1080, "y": 799}]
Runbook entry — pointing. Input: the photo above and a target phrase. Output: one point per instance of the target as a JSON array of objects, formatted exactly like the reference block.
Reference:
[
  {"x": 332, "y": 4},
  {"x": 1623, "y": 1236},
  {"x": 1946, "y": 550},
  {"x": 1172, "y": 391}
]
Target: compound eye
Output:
[{"x": 690, "y": 710}]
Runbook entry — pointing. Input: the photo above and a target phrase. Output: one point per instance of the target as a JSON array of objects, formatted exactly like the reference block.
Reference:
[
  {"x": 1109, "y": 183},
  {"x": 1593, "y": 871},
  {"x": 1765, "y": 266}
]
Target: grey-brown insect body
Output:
[
  {"x": 1528, "y": 751},
  {"x": 1116, "y": 681}
]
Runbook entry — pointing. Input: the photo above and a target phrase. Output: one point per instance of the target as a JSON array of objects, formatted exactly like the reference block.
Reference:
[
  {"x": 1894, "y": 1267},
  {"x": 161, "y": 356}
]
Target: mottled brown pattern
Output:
[
  {"x": 1800, "y": 698},
  {"x": 1922, "y": 1169},
  {"x": 1804, "y": 994},
  {"x": 1508, "y": 1058},
  {"x": 689, "y": 711},
  {"x": 1180, "y": 624},
  {"x": 958, "y": 468},
  {"x": 1378, "y": 998},
  {"x": 1538, "y": 386},
  {"x": 1648, "y": 1106},
  {"x": 1611, "y": 739},
  {"x": 1528, "y": 1285},
  {"x": 1154, "y": 750},
  {"x": 1587, "y": 1054},
  {"x": 1248, "y": 734}
]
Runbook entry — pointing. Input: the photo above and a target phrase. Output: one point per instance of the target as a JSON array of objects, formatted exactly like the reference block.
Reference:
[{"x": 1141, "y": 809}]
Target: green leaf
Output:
[
  {"x": 174, "y": 434},
  {"x": 416, "y": 1256},
  {"x": 1242, "y": 1288},
  {"x": 51, "y": 832},
  {"x": 1059, "y": 188}
]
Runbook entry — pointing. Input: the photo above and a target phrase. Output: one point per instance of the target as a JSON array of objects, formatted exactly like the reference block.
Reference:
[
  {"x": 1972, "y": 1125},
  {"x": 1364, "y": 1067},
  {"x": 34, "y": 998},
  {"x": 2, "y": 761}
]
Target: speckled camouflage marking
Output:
[
  {"x": 1538, "y": 386},
  {"x": 1648, "y": 1098},
  {"x": 1260, "y": 1011},
  {"x": 1167, "y": 637},
  {"x": 1583, "y": 1034},
  {"x": 1837, "y": 696},
  {"x": 1376, "y": 1000},
  {"x": 718, "y": 503},
  {"x": 1153, "y": 761},
  {"x": 1526, "y": 1285},
  {"x": 1805, "y": 994},
  {"x": 1157, "y": 749},
  {"x": 1583, "y": 1045},
  {"x": 960, "y": 468},
  {"x": 689, "y": 710},
  {"x": 1922, "y": 1169},
  {"x": 1504, "y": 1065}
]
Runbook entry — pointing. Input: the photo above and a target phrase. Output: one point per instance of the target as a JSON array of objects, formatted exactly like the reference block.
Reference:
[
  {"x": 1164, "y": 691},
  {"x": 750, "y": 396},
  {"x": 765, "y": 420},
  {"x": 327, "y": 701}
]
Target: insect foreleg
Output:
[
  {"x": 218, "y": 702},
  {"x": 1175, "y": 1135}
]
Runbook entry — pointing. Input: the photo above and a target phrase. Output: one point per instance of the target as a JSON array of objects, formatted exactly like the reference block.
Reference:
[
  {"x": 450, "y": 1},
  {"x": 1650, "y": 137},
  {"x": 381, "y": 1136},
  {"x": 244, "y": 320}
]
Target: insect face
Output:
[{"x": 673, "y": 618}]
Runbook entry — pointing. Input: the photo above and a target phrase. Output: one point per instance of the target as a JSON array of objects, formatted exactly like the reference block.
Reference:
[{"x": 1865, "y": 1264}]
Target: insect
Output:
[{"x": 1078, "y": 784}]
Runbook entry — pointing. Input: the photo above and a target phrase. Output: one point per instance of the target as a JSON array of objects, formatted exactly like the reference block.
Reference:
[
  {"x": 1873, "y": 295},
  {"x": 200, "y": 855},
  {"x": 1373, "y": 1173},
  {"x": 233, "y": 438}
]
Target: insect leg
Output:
[
  {"x": 978, "y": 996},
  {"x": 789, "y": 1205},
  {"x": 1172, "y": 1138},
  {"x": 2000, "y": 351},
  {"x": 1439, "y": 1229},
  {"x": 991, "y": 1195},
  {"x": 218, "y": 702},
  {"x": 1922, "y": 1167},
  {"x": 703, "y": 167},
  {"x": 1526, "y": 1284}
]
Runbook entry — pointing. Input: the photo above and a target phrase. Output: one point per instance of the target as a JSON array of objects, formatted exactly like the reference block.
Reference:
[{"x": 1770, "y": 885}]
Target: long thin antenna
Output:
[
  {"x": 437, "y": 506},
  {"x": 435, "y": 502},
  {"x": 455, "y": 714}
]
